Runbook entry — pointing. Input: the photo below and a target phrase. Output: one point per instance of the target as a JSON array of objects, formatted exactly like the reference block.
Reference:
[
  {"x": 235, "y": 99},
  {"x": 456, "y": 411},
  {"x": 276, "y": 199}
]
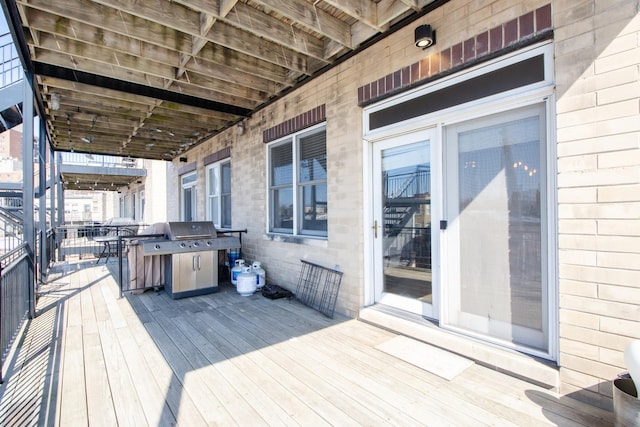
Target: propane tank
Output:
[
  {"x": 261, "y": 275},
  {"x": 237, "y": 269},
  {"x": 246, "y": 282}
]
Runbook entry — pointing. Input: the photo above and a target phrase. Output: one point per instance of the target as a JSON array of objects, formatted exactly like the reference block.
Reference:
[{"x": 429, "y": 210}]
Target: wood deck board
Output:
[
  {"x": 291, "y": 391},
  {"x": 363, "y": 407},
  {"x": 380, "y": 376},
  {"x": 330, "y": 410},
  {"x": 91, "y": 357},
  {"x": 339, "y": 367}
]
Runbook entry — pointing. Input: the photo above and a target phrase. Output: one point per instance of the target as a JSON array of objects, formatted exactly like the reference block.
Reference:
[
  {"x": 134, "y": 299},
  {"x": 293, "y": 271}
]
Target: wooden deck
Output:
[{"x": 92, "y": 358}]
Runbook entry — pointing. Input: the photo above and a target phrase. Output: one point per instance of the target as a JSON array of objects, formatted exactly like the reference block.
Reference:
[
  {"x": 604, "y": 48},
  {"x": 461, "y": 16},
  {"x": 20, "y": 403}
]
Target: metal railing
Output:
[
  {"x": 86, "y": 240},
  {"x": 16, "y": 275},
  {"x": 10, "y": 231},
  {"x": 408, "y": 184},
  {"x": 99, "y": 160},
  {"x": 410, "y": 247}
]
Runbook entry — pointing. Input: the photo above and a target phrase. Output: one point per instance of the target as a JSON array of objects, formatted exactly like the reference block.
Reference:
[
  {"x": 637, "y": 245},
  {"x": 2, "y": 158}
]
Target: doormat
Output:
[{"x": 432, "y": 359}]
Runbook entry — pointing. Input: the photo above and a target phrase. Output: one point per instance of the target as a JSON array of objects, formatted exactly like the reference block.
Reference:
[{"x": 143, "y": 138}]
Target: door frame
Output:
[
  {"x": 379, "y": 296},
  {"x": 542, "y": 91}
]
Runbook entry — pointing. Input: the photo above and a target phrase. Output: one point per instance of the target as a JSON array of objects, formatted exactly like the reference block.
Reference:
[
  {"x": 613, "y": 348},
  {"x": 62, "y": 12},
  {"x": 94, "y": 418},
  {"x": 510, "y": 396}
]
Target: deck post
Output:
[
  {"x": 42, "y": 200},
  {"x": 60, "y": 204},
  {"x": 27, "y": 193}
]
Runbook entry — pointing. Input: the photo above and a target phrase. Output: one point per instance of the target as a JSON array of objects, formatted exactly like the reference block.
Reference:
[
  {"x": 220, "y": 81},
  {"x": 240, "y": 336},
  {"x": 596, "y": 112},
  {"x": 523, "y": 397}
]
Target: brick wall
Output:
[{"x": 598, "y": 94}]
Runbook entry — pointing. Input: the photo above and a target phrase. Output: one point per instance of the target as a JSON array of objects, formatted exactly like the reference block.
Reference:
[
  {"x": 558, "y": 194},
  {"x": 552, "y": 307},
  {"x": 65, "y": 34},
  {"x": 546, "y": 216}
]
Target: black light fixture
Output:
[{"x": 425, "y": 36}]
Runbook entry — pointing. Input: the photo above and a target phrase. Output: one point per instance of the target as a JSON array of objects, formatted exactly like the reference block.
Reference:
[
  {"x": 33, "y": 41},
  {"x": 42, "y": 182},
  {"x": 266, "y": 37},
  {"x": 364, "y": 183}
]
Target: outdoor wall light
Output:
[{"x": 425, "y": 36}]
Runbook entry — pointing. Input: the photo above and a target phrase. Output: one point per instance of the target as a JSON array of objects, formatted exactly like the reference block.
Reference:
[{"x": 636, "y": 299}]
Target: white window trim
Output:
[
  {"x": 217, "y": 165},
  {"x": 184, "y": 186},
  {"x": 296, "y": 231},
  {"x": 141, "y": 205}
]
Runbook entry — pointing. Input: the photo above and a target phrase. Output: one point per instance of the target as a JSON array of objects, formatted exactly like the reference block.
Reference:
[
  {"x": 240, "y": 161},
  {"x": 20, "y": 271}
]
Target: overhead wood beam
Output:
[
  {"x": 239, "y": 40},
  {"x": 267, "y": 27},
  {"x": 220, "y": 78},
  {"x": 223, "y": 92},
  {"x": 166, "y": 35},
  {"x": 166, "y": 13},
  {"x": 206, "y": 23},
  {"x": 103, "y": 17},
  {"x": 388, "y": 10},
  {"x": 412, "y": 4},
  {"x": 135, "y": 88},
  {"x": 86, "y": 33},
  {"x": 89, "y": 34},
  {"x": 365, "y": 11},
  {"x": 105, "y": 55},
  {"x": 313, "y": 18}
]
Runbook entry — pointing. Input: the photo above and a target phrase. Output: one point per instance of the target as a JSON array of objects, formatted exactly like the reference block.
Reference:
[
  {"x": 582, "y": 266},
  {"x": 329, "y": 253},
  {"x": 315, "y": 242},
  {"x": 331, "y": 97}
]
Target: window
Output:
[
  {"x": 133, "y": 205},
  {"x": 188, "y": 205},
  {"x": 298, "y": 184},
  {"x": 142, "y": 205},
  {"x": 219, "y": 194},
  {"x": 125, "y": 207}
]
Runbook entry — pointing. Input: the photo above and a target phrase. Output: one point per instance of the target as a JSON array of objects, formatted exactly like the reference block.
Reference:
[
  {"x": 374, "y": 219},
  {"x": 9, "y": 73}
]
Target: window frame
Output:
[
  {"x": 192, "y": 178},
  {"x": 296, "y": 185},
  {"x": 141, "y": 201},
  {"x": 219, "y": 194}
]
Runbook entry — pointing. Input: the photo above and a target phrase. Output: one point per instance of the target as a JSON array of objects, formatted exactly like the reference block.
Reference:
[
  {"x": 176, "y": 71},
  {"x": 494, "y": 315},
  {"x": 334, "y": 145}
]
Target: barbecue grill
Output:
[{"x": 193, "y": 248}]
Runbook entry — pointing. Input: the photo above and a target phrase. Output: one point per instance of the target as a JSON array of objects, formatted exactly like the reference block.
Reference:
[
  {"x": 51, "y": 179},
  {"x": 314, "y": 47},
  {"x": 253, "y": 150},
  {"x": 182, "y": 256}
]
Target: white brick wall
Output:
[{"x": 599, "y": 193}]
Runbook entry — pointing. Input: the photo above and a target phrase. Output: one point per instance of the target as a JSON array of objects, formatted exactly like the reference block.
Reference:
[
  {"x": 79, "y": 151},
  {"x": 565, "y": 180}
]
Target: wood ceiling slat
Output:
[
  {"x": 166, "y": 13},
  {"x": 243, "y": 42},
  {"x": 107, "y": 62},
  {"x": 87, "y": 33},
  {"x": 106, "y": 56},
  {"x": 255, "y": 22},
  {"x": 109, "y": 19},
  {"x": 109, "y": 95},
  {"x": 313, "y": 18},
  {"x": 365, "y": 11}
]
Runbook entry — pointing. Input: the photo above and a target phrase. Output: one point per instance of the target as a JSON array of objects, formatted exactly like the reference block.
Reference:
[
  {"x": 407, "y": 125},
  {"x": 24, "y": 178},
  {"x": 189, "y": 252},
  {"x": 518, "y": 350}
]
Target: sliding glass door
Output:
[{"x": 495, "y": 207}]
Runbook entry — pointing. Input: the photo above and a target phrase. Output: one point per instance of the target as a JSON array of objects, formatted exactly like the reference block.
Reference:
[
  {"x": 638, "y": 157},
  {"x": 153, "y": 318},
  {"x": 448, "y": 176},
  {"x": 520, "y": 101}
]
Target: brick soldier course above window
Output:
[{"x": 529, "y": 27}]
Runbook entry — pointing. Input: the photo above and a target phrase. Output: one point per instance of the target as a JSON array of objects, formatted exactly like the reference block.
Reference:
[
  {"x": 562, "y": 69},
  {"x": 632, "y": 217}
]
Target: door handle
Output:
[
  {"x": 193, "y": 263},
  {"x": 199, "y": 266},
  {"x": 375, "y": 229}
]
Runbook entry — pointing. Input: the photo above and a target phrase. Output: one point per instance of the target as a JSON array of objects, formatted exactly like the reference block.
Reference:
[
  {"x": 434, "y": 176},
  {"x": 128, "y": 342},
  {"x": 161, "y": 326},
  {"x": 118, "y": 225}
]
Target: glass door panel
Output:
[
  {"x": 403, "y": 211},
  {"x": 495, "y": 193}
]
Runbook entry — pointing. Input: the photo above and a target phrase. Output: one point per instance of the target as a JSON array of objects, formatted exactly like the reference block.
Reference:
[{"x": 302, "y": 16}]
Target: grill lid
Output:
[{"x": 191, "y": 230}]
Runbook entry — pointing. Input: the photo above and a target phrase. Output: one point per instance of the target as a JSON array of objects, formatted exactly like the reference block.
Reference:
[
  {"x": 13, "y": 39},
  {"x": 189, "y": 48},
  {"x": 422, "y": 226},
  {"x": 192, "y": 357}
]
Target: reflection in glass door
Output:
[{"x": 403, "y": 212}]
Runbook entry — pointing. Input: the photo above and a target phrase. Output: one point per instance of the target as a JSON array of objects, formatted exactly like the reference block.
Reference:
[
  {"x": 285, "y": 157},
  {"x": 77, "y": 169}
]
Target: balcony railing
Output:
[
  {"x": 99, "y": 160},
  {"x": 15, "y": 276}
]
